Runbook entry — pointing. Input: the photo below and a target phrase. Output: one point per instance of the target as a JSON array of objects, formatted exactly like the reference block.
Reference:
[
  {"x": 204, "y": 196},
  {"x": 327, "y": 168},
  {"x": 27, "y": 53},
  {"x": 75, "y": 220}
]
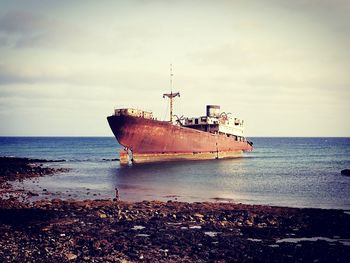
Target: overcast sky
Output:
[{"x": 282, "y": 66}]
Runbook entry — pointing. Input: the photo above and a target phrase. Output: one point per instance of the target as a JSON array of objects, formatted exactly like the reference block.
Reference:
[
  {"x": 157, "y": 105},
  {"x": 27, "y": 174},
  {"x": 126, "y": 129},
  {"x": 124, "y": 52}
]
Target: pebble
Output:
[{"x": 71, "y": 256}]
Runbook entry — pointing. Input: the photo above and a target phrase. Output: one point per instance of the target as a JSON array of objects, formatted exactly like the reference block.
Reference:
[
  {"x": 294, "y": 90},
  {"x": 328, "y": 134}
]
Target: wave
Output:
[{"x": 110, "y": 160}]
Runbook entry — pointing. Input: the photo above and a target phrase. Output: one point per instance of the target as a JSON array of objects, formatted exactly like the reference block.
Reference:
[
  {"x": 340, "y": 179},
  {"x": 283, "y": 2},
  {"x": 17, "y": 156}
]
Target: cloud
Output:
[
  {"x": 22, "y": 29},
  {"x": 24, "y": 23},
  {"x": 80, "y": 76},
  {"x": 28, "y": 30},
  {"x": 24, "y": 74}
]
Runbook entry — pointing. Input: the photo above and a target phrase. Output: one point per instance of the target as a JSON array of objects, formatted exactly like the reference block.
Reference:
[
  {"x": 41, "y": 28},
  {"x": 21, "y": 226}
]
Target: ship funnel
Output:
[{"x": 213, "y": 111}]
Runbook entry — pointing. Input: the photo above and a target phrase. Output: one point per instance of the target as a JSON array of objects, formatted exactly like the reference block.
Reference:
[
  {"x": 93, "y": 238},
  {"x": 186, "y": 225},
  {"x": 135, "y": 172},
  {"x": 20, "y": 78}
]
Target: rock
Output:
[
  {"x": 197, "y": 215},
  {"x": 345, "y": 172},
  {"x": 71, "y": 256},
  {"x": 224, "y": 223},
  {"x": 101, "y": 215}
]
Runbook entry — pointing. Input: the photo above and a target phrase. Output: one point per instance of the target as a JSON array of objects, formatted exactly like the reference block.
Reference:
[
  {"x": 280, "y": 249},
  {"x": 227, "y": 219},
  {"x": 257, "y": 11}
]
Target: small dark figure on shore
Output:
[{"x": 116, "y": 194}]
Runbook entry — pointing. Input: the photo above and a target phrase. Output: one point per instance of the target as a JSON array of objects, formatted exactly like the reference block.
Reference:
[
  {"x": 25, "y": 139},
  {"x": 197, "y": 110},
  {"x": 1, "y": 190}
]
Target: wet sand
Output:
[{"x": 153, "y": 231}]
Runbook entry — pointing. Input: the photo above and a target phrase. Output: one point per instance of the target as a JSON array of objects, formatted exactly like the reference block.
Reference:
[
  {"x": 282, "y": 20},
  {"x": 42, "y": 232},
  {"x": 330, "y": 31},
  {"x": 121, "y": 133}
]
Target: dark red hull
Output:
[{"x": 152, "y": 140}]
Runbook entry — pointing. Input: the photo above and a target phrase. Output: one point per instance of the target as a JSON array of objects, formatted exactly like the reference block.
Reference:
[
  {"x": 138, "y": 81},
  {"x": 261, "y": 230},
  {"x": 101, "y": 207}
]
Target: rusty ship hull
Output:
[{"x": 151, "y": 140}]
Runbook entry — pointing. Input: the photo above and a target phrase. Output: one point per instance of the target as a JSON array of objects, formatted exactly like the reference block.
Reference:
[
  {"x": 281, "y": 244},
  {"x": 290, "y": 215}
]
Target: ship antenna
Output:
[
  {"x": 171, "y": 78},
  {"x": 171, "y": 95}
]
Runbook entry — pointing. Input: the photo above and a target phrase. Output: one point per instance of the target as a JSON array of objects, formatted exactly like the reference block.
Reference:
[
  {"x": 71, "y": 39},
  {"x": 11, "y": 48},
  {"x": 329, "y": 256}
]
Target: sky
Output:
[{"x": 282, "y": 66}]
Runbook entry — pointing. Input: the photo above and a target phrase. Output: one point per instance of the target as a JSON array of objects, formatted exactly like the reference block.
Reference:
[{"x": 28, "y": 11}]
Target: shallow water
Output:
[
  {"x": 345, "y": 242},
  {"x": 297, "y": 172}
]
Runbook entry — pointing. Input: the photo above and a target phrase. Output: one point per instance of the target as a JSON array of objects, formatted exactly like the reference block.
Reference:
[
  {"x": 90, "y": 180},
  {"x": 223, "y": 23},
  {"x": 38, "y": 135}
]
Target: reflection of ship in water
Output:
[
  {"x": 213, "y": 136},
  {"x": 213, "y": 181}
]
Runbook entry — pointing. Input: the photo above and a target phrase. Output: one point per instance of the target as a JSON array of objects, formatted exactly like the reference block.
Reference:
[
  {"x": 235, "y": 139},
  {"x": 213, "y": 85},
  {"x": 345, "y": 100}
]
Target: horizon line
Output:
[{"x": 112, "y": 136}]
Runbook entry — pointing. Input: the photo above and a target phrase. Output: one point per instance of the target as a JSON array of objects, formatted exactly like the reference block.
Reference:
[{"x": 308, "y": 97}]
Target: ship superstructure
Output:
[{"x": 218, "y": 123}]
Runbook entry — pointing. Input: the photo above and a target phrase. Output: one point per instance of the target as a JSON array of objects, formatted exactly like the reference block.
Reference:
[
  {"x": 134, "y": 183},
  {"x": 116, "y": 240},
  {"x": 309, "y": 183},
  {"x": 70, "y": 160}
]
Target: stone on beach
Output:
[
  {"x": 71, "y": 256},
  {"x": 345, "y": 172}
]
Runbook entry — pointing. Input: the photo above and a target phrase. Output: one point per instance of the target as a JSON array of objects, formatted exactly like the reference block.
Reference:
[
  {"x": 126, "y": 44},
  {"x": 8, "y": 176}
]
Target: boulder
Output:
[{"x": 345, "y": 172}]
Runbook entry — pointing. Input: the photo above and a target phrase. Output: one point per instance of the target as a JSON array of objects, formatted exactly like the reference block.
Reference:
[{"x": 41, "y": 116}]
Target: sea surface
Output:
[{"x": 295, "y": 172}]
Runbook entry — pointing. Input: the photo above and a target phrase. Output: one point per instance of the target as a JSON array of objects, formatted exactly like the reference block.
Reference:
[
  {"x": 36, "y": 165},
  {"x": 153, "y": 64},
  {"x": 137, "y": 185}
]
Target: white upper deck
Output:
[{"x": 217, "y": 122}]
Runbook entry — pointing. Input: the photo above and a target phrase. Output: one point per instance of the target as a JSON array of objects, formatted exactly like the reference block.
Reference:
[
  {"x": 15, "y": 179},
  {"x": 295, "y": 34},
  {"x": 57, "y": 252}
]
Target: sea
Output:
[{"x": 293, "y": 172}]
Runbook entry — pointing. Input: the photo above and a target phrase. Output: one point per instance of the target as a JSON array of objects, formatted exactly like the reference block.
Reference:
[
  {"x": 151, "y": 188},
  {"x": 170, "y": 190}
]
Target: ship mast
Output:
[{"x": 171, "y": 95}]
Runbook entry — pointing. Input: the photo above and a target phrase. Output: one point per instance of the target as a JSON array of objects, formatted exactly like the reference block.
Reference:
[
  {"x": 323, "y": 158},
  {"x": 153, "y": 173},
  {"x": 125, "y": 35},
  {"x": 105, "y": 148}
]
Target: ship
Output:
[{"x": 145, "y": 139}]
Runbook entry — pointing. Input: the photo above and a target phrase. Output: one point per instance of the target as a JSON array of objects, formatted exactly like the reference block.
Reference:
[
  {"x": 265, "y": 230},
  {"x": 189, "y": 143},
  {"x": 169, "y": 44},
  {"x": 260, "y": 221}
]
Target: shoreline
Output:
[{"x": 109, "y": 230}]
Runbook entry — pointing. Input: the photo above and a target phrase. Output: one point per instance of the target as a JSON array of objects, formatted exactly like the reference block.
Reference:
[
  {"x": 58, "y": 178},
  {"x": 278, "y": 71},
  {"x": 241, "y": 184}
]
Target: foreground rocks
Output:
[{"x": 115, "y": 231}]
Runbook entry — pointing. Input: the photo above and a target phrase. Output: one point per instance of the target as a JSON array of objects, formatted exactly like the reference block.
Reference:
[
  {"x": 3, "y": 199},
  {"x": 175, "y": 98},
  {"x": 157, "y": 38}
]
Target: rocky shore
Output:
[
  {"x": 12, "y": 168},
  {"x": 15, "y": 168},
  {"x": 152, "y": 231},
  {"x": 115, "y": 231}
]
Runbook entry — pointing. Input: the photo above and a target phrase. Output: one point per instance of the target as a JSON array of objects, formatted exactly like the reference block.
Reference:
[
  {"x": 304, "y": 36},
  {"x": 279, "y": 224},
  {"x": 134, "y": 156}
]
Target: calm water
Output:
[{"x": 300, "y": 172}]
